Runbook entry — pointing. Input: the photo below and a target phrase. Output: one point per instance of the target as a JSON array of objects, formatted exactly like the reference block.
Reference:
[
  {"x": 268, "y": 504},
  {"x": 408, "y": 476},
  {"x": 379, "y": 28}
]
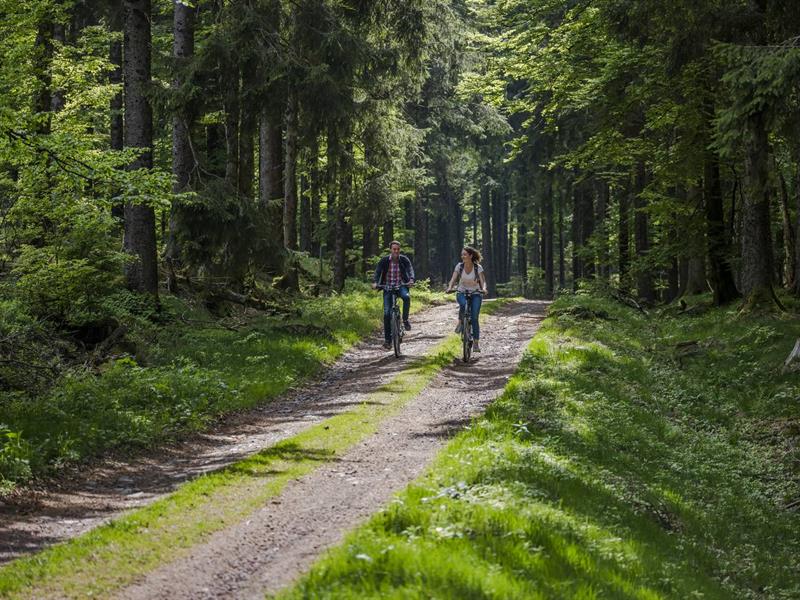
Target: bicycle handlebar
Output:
[{"x": 394, "y": 288}]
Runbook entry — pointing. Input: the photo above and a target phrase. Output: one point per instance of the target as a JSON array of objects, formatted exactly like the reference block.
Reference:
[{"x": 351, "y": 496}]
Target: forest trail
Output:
[{"x": 268, "y": 549}]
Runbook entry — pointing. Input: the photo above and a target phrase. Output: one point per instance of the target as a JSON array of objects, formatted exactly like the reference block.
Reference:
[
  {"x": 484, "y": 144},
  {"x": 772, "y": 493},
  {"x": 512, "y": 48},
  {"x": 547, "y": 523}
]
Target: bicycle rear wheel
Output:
[{"x": 396, "y": 334}]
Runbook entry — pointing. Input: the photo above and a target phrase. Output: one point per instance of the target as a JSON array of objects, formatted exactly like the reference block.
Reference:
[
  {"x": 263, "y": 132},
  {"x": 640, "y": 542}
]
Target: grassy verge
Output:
[
  {"x": 187, "y": 372},
  {"x": 622, "y": 461},
  {"x": 114, "y": 555}
]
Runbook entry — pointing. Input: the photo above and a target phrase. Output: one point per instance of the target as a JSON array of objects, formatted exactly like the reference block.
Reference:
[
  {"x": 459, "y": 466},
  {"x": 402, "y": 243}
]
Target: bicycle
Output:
[
  {"x": 466, "y": 327},
  {"x": 397, "y": 329}
]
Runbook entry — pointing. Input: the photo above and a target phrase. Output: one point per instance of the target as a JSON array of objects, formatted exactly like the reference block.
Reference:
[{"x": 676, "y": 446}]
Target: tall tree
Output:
[{"x": 140, "y": 229}]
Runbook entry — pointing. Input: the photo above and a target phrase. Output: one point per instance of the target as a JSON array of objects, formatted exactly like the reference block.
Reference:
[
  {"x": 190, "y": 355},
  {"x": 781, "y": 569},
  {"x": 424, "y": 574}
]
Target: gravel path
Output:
[
  {"x": 276, "y": 543},
  {"x": 83, "y": 498}
]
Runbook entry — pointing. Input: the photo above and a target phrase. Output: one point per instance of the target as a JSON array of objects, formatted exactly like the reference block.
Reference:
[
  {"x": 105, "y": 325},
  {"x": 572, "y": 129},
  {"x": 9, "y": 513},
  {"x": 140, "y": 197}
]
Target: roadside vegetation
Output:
[
  {"x": 177, "y": 372},
  {"x": 632, "y": 456}
]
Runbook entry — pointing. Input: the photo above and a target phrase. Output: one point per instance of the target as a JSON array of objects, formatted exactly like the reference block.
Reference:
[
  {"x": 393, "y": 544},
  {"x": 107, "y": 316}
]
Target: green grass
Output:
[
  {"x": 616, "y": 465},
  {"x": 189, "y": 374}
]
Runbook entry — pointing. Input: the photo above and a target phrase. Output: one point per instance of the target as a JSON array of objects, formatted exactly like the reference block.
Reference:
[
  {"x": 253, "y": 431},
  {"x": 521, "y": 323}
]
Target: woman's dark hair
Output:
[{"x": 476, "y": 256}]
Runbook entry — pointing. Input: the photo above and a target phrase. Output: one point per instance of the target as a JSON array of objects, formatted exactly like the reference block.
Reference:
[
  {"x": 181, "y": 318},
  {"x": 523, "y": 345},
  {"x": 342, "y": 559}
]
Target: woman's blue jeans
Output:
[{"x": 476, "y": 300}]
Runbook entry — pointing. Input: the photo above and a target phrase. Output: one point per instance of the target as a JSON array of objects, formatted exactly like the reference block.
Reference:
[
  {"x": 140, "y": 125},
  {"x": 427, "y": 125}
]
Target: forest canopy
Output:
[{"x": 235, "y": 149}]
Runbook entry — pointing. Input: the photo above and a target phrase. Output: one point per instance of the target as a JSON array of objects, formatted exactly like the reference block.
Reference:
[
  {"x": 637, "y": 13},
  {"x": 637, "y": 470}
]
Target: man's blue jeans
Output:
[
  {"x": 476, "y": 311},
  {"x": 387, "y": 309}
]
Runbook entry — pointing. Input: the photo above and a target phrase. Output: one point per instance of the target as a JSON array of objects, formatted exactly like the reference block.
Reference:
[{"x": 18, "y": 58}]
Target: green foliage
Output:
[{"x": 616, "y": 464}]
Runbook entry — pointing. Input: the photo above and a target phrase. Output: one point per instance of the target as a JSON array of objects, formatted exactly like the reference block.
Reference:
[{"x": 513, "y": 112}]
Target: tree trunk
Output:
[
  {"x": 601, "y": 229},
  {"x": 342, "y": 175},
  {"x": 548, "y": 231},
  {"x": 562, "y": 266},
  {"x": 58, "y": 100},
  {"x": 488, "y": 246},
  {"x": 248, "y": 122},
  {"x": 182, "y": 160},
  {"x": 536, "y": 250},
  {"x": 722, "y": 282},
  {"x": 305, "y": 214},
  {"x": 316, "y": 197},
  {"x": 587, "y": 229},
  {"x": 115, "y": 106},
  {"x": 789, "y": 239},
  {"x": 388, "y": 233},
  {"x": 797, "y": 226},
  {"x": 575, "y": 234},
  {"x": 756, "y": 235},
  {"x": 696, "y": 281},
  {"x": 270, "y": 173},
  {"x": 644, "y": 275},
  {"x": 522, "y": 251},
  {"x": 289, "y": 175},
  {"x": 140, "y": 232},
  {"x": 624, "y": 236},
  {"x": 231, "y": 109},
  {"x": 420, "y": 222}
]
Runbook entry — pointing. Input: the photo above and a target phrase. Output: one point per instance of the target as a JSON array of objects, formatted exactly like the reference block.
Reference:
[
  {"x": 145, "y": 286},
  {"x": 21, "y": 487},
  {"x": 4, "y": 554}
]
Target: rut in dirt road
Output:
[
  {"x": 85, "y": 498},
  {"x": 276, "y": 543}
]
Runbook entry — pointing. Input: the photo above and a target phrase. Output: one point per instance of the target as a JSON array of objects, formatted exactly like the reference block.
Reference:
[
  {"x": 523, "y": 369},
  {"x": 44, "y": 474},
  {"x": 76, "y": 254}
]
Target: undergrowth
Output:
[{"x": 631, "y": 456}]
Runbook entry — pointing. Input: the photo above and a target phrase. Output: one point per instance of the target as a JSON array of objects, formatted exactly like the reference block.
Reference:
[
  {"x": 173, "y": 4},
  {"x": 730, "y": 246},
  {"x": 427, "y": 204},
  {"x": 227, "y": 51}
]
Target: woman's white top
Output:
[{"x": 469, "y": 281}]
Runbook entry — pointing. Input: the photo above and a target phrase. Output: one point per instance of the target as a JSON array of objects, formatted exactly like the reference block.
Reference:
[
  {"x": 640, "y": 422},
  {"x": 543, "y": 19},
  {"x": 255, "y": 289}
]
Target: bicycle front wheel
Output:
[
  {"x": 396, "y": 334},
  {"x": 466, "y": 338}
]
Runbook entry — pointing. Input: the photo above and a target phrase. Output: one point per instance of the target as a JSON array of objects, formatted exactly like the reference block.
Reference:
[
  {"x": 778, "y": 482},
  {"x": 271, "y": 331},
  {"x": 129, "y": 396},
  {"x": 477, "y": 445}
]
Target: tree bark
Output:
[
  {"x": 797, "y": 226},
  {"x": 696, "y": 281},
  {"x": 289, "y": 175},
  {"x": 789, "y": 239},
  {"x": 488, "y": 246},
  {"x": 140, "y": 233},
  {"x": 756, "y": 236},
  {"x": 115, "y": 106},
  {"x": 522, "y": 251},
  {"x": 248, "y": 123},
  {"x": 232, "y": 107},
  {"x": 562, "y": 267},
  {"x": 270, "y": 188},
  {"x": 182, "y": 160}
]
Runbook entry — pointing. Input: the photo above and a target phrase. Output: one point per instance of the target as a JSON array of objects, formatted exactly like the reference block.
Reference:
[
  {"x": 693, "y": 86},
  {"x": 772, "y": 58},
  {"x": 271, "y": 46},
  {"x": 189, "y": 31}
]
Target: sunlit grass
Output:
[{"x": 612, "y": 467}]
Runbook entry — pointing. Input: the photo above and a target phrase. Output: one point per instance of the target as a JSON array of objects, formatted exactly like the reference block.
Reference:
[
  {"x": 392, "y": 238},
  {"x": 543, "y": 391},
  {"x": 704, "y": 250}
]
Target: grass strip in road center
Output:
[{"x": 114, "y": 555}]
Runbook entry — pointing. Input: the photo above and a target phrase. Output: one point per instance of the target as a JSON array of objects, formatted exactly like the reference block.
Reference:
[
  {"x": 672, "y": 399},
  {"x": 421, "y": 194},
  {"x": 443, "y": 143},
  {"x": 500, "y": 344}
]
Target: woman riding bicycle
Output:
[{"x": 469, "y": 276}]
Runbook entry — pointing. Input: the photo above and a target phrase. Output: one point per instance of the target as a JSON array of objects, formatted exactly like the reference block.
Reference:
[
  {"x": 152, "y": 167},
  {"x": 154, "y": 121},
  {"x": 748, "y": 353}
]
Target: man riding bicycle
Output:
[{"x": 394, "y": 273}]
